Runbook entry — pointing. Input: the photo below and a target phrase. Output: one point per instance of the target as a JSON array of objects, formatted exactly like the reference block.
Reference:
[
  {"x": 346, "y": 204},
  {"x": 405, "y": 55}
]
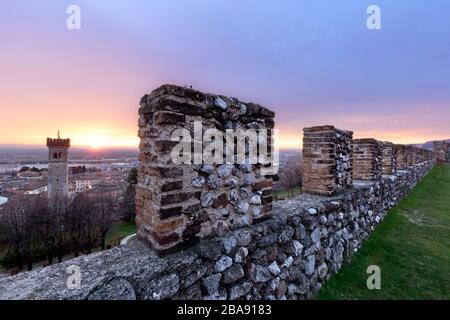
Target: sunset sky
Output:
[{"x": 313, "y": 62}]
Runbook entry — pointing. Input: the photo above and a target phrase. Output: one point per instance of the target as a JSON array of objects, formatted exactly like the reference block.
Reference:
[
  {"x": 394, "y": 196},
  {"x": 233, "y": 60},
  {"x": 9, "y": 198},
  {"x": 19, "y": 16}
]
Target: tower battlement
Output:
[{"x": 58, "y": 142}]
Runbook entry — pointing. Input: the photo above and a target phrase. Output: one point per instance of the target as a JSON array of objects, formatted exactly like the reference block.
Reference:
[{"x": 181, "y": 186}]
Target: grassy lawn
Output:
[
  {"x": 284, "y": 194},
  {"x": 121, "y": 230},
  {"x": 411, "y": 246}
]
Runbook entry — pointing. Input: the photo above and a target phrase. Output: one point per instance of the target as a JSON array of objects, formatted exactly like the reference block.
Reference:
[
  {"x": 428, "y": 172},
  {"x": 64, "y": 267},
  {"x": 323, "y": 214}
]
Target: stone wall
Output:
[
  {"x": 367, "y": 159},
  {"x": 327, "y": 160},
  {"x": 288, "y": 256},
  {"x": 179, "y": 204}
]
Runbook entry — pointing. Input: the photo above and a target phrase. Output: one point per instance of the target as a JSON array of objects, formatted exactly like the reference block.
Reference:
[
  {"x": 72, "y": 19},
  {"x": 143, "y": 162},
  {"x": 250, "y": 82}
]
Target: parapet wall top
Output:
[{"x": 58, "y": 142}]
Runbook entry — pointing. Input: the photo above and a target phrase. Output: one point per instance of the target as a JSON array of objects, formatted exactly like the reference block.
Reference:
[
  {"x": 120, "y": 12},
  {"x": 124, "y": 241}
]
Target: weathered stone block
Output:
[
  {"x": 166, "y": 117},
  {"x": 410, "y": 156},
  {"x": 401, "y": 156},
  {"x": 367, "y": 159},
  {"x": 327, "y": 160},
  {"x": 389, "y": 165}
]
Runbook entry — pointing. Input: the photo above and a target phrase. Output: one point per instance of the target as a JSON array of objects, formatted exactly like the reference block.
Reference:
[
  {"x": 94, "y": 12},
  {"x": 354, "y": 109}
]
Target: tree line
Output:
[{"x": 33, "y": 231}]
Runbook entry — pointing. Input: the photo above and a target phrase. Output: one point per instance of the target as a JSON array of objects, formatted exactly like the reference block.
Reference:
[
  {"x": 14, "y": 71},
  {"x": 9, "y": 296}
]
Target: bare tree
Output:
[
  {"x": 74, "y": 223},
  {"x": 50, "y": 222},
  {"x": 128, "y": 205},
  {"x": 88, "y": 224},
  {"x": 81, "y": 224},
  {"x": 3, "y": 226},
  {"x": 104, "y": 214},
  {"x": 33, "y": 230},
  {"x": 19, "y": 221},
  {"x": 291, "y": 175}
]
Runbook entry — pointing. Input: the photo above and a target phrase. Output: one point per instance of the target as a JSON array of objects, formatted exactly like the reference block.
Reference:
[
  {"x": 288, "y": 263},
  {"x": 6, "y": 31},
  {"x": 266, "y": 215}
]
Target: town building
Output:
[
  {"x": 84, "y": 184},
  {"x": 36, "y": 188}
]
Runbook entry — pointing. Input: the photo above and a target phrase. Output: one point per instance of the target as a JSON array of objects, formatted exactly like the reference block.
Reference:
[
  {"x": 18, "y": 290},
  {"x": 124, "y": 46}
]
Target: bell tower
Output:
[{"x": 58, "y": 188}]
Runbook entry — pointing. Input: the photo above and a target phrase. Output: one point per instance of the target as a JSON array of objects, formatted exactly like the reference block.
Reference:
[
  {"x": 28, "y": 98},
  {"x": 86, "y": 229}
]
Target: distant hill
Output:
[{"x": 428, "y": 145}]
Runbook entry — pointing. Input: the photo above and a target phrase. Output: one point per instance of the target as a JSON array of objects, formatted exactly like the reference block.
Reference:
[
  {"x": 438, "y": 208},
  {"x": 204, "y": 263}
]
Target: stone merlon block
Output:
[
  {"x": 410, "y": 156},
  {"x": 327, "y": 160},
  {"x": 401, "y": 156},
  {"x": 179, "y": 204},
  {"x": 367, "y": 159},
  {"x": 389, "y": 162}
]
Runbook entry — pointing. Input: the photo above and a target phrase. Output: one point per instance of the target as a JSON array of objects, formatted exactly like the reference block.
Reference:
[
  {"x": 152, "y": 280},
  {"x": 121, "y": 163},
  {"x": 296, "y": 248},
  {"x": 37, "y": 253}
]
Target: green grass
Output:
[
  {"x": 121, "y": 230},
  {"x": 284, "y": 194},
  {"x": 411, "y": 246}
]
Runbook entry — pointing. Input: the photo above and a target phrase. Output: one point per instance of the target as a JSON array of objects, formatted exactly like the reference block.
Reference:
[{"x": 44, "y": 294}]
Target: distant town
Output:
[{"x": 24, "y": 171}]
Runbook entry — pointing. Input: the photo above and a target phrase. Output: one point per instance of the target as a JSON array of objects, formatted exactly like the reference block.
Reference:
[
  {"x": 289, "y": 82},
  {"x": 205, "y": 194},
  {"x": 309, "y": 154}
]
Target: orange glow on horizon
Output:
[{"x": 287, "y": 141}]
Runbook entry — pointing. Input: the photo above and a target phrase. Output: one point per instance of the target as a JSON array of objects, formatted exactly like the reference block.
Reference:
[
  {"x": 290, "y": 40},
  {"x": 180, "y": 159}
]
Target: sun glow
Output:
[
  {"x": 104, "y": 140},
  {"x": 98, "y": 141}
]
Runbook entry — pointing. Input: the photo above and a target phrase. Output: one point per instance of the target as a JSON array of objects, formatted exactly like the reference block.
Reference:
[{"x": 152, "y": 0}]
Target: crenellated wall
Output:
[
  {"x": 245, "y": 247},
  {"x": 288, "y": 256}
]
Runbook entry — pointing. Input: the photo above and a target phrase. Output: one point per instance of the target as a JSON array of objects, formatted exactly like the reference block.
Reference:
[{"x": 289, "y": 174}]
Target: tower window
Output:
[{"x": 55, "y": 156}]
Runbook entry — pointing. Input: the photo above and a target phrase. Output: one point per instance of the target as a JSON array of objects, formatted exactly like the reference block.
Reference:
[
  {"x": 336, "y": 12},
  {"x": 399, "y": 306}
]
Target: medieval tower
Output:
[{"x": 57, "y": 171}]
